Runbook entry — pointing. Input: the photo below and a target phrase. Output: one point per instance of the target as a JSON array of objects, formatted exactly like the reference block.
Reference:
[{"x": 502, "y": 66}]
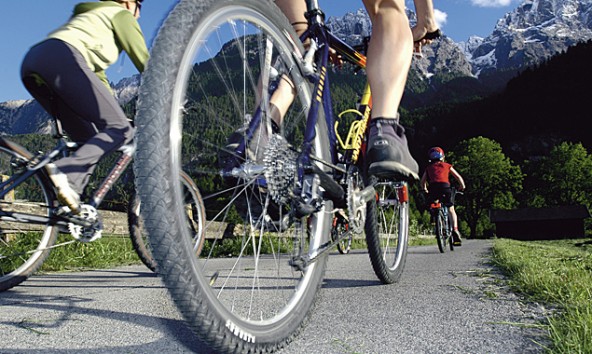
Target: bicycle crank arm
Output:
[{"x": 23, "y": 217}]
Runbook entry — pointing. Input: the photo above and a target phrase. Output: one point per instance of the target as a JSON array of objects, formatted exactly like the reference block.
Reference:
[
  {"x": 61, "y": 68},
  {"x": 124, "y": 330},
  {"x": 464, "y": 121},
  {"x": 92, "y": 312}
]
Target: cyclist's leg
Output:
[
  {"x": 294, "y": 11},
  {"x": 282, "y": 98},
  {"x": 86, "y": 108},
  {"x": 449, "y": 202},
  {"x": 389, "y": 58},
  {"x": 389, "y": 55}
]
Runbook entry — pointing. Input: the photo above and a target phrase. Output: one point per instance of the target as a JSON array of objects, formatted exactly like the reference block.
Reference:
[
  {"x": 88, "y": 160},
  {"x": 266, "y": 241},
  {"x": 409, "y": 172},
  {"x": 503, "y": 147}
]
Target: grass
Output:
[
  {"x": 111, "y": 251},
  {"x": 558, "y": 273},
  {"x": 107, "y": 252}
]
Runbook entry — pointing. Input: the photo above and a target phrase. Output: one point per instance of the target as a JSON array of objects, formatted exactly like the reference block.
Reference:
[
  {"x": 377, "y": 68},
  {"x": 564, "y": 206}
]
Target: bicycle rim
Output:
[
  {"x": 194, "y": 210},
  {"x": 23, "y": 246},
  {"x": 222, "y": 53},
  {"x": 387, "y": 230}
]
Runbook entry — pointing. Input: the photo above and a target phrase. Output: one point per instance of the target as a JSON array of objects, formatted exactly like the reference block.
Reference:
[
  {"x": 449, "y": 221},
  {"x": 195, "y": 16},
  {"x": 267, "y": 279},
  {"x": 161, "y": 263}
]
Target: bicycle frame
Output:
[
  {"x": 321, "y": 38},
  {"x": 437, "y": 207},
  {"x": 318, "y": 33},
  {"x": 64, "y": 148}
]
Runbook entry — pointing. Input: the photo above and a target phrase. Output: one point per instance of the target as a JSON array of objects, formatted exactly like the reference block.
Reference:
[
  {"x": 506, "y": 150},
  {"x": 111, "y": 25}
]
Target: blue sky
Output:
[{"x": 23, "y": 23}]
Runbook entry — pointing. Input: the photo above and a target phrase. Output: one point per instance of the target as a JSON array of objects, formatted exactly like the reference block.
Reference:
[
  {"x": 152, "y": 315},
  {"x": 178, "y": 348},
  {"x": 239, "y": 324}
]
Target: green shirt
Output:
[{"x": 100, "y": 31}]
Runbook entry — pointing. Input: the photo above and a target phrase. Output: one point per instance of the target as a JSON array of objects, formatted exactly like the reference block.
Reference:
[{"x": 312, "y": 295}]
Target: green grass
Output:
[
  {"x": 104, "y": 253},
  {"x": 111, "y": 251},
  {"x": 558, "y": 273}
]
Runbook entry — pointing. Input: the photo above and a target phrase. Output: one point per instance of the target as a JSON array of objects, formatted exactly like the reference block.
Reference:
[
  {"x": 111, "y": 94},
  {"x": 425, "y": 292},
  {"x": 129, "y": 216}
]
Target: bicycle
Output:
[
  {"x": 442, "y": 223},
  {"x": 31, "y": 217},
  {"x": 194, "y": 210},
  {"x": 339, "y": 227},
  {"x": 271, "y": 186}
]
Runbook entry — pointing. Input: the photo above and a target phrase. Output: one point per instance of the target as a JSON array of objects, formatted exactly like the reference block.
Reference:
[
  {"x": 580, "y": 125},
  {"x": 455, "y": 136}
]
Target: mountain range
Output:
[{"x": 530, "y": 34}]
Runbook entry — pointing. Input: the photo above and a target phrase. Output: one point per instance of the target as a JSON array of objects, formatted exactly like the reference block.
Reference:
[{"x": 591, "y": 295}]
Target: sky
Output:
[{"x": 24, "y": 23}]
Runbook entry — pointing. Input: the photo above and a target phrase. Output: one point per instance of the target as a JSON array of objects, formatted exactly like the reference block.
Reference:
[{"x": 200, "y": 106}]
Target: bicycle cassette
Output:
[
  {"x": 281, "y": 168},
  {"x": 87, "y": 234}
]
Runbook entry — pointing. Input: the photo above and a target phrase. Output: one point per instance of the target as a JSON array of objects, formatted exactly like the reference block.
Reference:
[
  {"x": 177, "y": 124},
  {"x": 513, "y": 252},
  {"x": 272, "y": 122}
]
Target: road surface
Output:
[{"x": 445, "y": 303}]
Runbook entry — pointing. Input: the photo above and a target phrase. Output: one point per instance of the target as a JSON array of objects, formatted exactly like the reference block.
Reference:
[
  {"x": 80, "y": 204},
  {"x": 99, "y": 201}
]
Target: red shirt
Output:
[{"x": 438, "y": 172}]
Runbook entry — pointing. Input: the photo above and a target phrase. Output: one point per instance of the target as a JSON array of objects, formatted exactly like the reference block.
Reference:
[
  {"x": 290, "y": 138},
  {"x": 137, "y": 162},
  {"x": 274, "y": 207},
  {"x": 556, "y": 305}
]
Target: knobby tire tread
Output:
[
  {"x": 153, "y": 160},
  {"x": 375, "y": 251},
  {"x": 440, "y": 232}
]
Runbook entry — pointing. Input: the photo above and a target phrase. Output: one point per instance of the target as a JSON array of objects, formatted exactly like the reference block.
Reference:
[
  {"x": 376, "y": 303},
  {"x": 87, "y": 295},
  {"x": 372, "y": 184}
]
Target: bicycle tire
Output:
[
  {"x": 387, "y": 230},
  {"x": 195, "y": 221},
  {"x": 440, "y": 231},
  {"x": 23, "y": 248},
  {"x": 230, "y": 318},
  {"x": 343, "y": 246}
]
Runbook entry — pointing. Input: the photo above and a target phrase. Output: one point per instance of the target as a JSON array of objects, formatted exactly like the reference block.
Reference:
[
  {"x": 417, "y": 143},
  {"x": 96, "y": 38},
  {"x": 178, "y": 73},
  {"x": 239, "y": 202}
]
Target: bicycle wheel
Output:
[
  {"x": 194, "y": 210},
  {"x": 23, "y": 246},
  {"x": 213, "y": 63},
  {"x": 450, "y": 241},
  {"x": 387, "y": 229},
  {"x": 449, "y": 231},
  {"x": 440, "y": 231},
  {"x": 339, "y": 227},
  {"x": 345, "y": 245}
]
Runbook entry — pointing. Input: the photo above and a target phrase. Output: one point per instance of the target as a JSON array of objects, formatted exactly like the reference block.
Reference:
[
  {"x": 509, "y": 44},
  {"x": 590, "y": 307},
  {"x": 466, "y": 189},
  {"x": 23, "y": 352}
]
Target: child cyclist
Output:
[
  {"x": 435, "y": 181},
  {"x": 65, "y": 73}
]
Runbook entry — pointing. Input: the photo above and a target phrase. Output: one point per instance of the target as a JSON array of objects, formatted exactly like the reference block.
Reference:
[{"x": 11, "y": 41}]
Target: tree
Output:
[
  {"x": 491, "y": 178},
  {"x": 564, "y": 177}
]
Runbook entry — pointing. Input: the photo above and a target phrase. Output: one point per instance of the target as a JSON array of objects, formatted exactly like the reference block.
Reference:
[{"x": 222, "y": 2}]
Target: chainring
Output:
[{"x": 87, "y": 234}]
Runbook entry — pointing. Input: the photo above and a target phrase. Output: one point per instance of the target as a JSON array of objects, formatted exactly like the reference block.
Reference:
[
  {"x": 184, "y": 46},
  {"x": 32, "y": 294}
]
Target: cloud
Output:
[
  {"x": 440, "y": 17},
  {"x": 491, "y": 3}
]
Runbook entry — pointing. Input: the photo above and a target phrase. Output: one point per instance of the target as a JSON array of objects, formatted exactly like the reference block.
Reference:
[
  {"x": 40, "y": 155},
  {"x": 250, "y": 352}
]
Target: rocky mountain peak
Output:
[
  {"x": 534, "y": 31},
  {"x": 443, "y": 56}
]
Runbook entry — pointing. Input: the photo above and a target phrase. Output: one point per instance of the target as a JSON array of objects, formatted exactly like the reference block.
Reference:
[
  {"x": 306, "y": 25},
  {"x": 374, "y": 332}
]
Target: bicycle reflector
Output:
[{"x": 403, "y": 194}]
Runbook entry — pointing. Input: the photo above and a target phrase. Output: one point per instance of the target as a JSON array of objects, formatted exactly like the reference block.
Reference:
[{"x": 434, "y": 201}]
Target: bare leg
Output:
[
  {"x": 294, "y": 11},
  {"x": 283, "y": 97},
  {"x": 454, "y": 217},
  {"x": 389, "y": 55}
]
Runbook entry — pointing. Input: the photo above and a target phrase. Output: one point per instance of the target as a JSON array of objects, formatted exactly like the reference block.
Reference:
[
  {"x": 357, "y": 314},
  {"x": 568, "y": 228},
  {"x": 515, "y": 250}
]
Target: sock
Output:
[{"x": 385, "y": 127}]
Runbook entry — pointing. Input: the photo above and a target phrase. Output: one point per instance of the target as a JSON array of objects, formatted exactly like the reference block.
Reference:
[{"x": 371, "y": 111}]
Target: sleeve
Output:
[{"x": 130, "y": 38}]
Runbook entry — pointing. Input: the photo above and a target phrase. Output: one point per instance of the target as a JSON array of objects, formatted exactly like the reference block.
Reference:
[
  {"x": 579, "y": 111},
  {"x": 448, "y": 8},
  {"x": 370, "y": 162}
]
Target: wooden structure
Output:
[{"x": 549, "y": 223}]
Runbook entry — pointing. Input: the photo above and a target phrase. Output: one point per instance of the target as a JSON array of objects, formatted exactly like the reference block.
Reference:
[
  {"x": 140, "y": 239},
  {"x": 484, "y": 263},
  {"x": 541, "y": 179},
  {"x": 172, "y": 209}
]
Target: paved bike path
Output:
[{"x": 445, "y": 303}]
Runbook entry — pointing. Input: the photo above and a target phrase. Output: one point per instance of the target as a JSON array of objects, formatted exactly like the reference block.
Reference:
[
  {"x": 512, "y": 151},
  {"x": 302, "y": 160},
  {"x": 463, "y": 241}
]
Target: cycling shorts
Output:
[{"x": 441, "y": 192}]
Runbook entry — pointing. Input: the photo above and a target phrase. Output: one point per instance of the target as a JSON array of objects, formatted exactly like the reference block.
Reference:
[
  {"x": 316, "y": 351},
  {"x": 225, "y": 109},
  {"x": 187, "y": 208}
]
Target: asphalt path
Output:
[{"x": 445, "y": 303}]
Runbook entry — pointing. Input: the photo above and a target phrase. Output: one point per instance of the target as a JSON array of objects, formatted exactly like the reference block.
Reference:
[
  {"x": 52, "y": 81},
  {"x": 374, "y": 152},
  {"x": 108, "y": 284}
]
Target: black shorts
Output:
[{"x": 441, "y": 192}]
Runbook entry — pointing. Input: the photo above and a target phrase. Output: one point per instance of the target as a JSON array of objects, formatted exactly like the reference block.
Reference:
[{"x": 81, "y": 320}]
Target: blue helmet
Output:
[{"x": 436, "y": 154}]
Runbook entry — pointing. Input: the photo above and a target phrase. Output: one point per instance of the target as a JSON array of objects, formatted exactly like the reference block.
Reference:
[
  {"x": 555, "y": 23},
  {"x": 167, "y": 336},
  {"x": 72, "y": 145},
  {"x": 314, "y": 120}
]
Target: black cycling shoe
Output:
[
  {"x": 255, "y": 146},
  {"x": 388, "y": 153}
]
